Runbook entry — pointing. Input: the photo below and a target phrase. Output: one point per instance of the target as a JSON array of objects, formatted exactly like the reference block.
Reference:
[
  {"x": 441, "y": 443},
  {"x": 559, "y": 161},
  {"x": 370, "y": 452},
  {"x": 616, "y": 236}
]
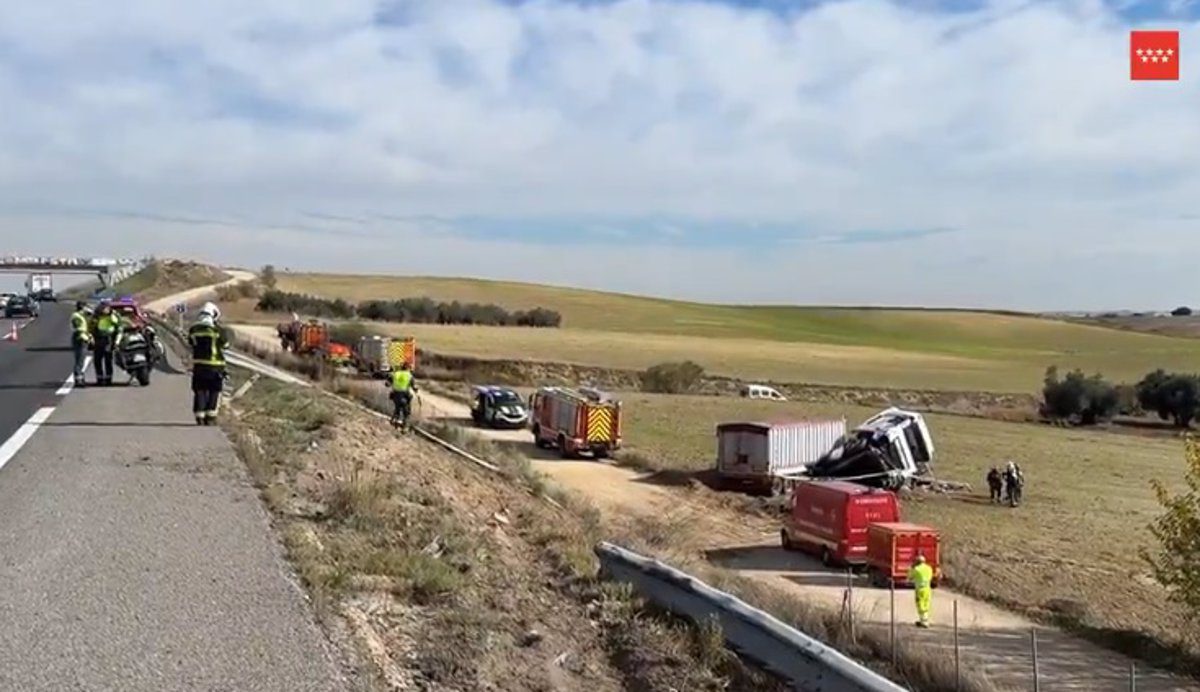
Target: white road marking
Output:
[
  {"x": 70, "y": 383},
  {"x": 14, "y": 444}
]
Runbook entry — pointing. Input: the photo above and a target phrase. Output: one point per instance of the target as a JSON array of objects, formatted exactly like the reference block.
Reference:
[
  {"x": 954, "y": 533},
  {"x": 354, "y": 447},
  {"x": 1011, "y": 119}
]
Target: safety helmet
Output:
[
  {"x": 206, "y": 319},
  {"x": 210, "y": 308},
  {"x": 80, "y": 305},
  {"x": 920, "y": 559}
]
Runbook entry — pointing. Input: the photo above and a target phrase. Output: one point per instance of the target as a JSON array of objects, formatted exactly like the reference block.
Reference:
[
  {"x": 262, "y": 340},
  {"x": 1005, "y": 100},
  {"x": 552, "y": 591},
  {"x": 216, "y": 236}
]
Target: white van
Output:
[{"x": 759, "y": 391}]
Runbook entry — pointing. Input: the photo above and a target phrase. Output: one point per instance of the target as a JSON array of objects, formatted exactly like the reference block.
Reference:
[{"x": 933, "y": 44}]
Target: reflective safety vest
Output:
[
  {"x": 208, "y": 345},
  {"x": 921, "y": 576},
  {"x": 107, "y": 324},
  {"x": 402, "y": 381},
  {"x": 79, "y": 324}
]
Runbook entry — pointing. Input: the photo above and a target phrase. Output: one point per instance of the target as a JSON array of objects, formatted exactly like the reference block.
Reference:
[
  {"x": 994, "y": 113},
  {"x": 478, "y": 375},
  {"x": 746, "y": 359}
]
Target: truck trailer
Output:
[{"x": 764, "y": 458}]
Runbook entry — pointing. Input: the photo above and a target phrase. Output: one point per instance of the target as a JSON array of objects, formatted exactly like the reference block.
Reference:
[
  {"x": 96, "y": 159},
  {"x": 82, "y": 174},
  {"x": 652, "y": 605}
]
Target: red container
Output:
[
  {"x": 892, "y": 547},
  {"x": 830, "y": 519}
]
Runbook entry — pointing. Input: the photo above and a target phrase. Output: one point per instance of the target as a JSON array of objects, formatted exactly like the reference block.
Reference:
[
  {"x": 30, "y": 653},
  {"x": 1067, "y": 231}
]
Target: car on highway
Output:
[
  {"x": 20, "y": 306},
  {"x": 5, "y": 297},
  {"x": 45, "y": 295},
  {"x": 499, "y": 407}
]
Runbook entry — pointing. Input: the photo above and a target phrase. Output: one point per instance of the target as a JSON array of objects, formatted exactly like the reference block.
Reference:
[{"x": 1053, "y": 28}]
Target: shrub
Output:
[
  {"x": 267, "y": 276},
  {"x": 281, "y": 301},
  {"x": 672, "y": 378},
  {"x": 1181, "y": 311},
  {"x": 1076, "y": 396},
  {"x": 349, "y": 333},
  {"x": 1177, "y": 563},
  {"x": 1173, "y": 396}
]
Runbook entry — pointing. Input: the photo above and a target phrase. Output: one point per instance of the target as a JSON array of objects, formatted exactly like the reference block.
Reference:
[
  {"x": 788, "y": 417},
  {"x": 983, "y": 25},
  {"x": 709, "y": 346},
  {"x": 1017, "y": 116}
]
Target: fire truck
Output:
[{"x": 575, "y": 421}]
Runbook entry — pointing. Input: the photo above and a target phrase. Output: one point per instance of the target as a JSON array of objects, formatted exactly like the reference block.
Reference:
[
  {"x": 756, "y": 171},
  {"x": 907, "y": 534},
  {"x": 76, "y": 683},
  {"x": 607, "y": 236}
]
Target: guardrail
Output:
[{"x": 754, "y": 634}]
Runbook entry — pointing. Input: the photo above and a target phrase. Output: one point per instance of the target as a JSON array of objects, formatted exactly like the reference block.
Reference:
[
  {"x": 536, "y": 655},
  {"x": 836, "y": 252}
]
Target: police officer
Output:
[
  {"x": 104, "y": 342},
  {"x": 208, "y": 342},
  {"x": 81, "y": 339},
  {"x": 402, "y": 386}
]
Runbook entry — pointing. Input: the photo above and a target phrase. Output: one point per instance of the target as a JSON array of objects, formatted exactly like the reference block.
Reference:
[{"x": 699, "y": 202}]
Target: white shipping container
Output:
[{"x": 771, "y": 449}]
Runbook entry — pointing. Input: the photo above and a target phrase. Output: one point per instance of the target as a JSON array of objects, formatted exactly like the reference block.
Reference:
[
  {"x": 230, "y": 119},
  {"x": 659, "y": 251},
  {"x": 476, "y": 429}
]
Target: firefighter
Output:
[
  {"x": 104, "y": 341},
  {"x": 402, "y": 387},
  {"x": 996, "y": 483},
  {"x": 921, "y": 577},
  {"x": 81, "y": 339},
  {"x": 208, "y": 343}
]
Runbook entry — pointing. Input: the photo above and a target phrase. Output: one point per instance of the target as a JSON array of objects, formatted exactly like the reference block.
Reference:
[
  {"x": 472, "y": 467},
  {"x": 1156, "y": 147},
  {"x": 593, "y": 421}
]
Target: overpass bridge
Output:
[{"x": 108, "y": 270}]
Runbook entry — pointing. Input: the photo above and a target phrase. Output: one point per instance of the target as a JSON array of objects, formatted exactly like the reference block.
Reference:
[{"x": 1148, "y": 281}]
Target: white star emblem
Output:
[
  {"x": 1160, "y": 51},
  {"x": 1144, "y": 58},
  {"x": 1154, "y": 58},
  {"x": 1139, "y": 51},
  {"x": 1170, "y": 52},
  {"x": 1165, "y": 58}
]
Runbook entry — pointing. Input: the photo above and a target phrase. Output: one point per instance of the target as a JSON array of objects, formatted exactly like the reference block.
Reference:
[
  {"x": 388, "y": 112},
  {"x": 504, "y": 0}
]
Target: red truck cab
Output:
[{"x": 830, "y": 519}]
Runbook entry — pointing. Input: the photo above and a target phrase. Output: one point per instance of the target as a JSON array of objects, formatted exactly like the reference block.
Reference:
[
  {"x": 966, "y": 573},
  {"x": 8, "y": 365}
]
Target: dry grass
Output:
[
  {"x": 925, "y": 349},
  {"x": 1068, "y": 554},
  {"x": 448, "y": 576}
]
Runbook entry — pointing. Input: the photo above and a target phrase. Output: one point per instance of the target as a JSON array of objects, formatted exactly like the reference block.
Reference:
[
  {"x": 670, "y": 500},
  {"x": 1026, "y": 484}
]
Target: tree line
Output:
[
  {"x": 1091, "y": 399},
  {"x": 412, "y": 310}
]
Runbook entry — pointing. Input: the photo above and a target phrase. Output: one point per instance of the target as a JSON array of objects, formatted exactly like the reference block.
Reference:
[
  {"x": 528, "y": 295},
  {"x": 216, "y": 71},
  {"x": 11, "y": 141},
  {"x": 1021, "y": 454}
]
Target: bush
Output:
[
  {"x": 1181, "y": 311},
  {"x": 412, "y": 310},
  {"x": 1173, "y": 396},
  {"x": 1177, "y": 562},
  {"x": 672, "y": 378},
  {"x": 349, "y": 333},
  {"x": 1076, "y": 396},
  {"x": 267, "y": 276}
]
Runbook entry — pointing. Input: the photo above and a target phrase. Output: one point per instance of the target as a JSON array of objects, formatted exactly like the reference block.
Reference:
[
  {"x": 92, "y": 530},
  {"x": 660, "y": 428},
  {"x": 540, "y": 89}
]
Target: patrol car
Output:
[{"x": 498, "y": 407}]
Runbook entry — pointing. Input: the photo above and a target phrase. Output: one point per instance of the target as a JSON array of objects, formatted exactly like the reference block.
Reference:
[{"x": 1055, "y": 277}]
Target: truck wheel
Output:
[
  {"x": 826, "y": 557},
  {"x": 562, "y": 447},
  {"x": 537, "y": 437},
  {"x": 143, "y": 377},
  {"x": 785, "y": 541},
  {"x": 601, "y": 453}
]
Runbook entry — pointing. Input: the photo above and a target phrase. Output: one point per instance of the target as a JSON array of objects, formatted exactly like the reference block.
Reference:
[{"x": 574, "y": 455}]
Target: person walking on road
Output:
[
  {"x": 208, "y": 343},
  {"x": 402, "y": 388},
  {"x": 81, "y": 339},
  {"x": 104, "y": 342},
  {"x": 921, "y": 577}
]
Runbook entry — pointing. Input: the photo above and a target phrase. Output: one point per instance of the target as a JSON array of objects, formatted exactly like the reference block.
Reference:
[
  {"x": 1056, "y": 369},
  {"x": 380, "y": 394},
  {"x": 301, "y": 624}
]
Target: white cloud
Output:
[{"x": 1016, "y": 125}]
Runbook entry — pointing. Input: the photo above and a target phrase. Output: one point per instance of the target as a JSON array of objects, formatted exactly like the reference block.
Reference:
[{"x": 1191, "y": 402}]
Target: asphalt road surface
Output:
[
  {"x": 134, "y": 552},
  {"x": 35, "y": 366}
]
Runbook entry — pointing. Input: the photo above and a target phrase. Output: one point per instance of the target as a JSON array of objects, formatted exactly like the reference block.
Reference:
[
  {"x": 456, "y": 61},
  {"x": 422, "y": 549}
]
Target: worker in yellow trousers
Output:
[{"x": 921, "y": 577}]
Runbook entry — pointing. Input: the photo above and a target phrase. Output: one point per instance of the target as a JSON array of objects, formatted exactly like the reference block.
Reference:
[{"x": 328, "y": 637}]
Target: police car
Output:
[{"x": 498, "y": 407}]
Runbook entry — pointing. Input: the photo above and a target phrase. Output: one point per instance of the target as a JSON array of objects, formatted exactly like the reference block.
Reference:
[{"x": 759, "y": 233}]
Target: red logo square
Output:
[{"x": 1154, "y": 55}]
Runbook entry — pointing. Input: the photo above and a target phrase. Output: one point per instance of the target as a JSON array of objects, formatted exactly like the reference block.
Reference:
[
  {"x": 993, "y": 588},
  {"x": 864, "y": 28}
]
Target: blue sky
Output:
[{"x": 963, "y": 152}]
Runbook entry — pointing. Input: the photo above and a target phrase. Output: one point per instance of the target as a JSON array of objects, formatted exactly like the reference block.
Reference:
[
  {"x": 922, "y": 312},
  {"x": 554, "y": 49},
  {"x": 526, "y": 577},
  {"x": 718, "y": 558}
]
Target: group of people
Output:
[
  {"x": 99, "y": 332},
  {"x": 1006, "y": 486}
]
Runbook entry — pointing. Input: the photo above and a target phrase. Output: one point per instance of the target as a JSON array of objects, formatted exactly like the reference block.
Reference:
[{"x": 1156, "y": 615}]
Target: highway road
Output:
[
  {"x": 134, "y": 552},
  {"x": 34, "y": 367}
]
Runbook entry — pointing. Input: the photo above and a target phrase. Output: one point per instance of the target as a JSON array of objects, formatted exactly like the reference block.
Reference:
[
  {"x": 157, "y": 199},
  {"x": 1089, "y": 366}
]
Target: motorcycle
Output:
[
  {"x": 402, "y": 411},
  {"x": 136, "y": 356}
]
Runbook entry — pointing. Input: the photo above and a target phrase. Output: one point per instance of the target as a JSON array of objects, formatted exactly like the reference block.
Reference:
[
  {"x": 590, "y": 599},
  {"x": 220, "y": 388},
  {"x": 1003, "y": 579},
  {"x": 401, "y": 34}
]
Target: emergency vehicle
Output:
[{"x": 575, "y": 421}]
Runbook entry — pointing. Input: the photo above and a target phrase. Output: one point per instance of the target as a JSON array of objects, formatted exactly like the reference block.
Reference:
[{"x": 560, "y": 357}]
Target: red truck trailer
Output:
[
  {"x": 893, "y": 546},
  {"x": 830, "y": 519}
]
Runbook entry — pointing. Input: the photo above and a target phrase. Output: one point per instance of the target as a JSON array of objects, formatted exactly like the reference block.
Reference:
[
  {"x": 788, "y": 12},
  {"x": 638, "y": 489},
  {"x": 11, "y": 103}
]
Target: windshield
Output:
[{"x": 507, "y": 398}]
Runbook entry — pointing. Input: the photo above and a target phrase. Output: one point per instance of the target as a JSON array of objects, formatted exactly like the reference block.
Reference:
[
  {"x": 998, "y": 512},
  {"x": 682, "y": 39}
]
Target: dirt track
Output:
[
  {"x": 990, "y": 638},
  {"x": 164, "y": 304}
]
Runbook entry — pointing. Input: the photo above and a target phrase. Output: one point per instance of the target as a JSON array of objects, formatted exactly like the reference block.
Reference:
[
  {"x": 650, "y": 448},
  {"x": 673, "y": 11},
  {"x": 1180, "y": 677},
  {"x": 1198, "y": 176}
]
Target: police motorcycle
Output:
[{"x": 136, "y": 355}]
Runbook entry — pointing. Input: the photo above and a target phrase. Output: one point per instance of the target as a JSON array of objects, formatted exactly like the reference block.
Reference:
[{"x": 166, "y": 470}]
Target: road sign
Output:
[{"x": 180, "y": 308}]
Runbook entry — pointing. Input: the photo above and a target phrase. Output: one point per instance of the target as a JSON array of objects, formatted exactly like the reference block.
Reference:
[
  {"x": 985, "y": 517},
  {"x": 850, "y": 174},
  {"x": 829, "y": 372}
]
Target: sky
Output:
[{"x": 967, "y": 153}]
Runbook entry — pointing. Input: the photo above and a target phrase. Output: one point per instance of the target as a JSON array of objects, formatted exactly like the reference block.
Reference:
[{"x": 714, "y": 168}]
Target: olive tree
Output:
[{"x": 1176, "y": 562}]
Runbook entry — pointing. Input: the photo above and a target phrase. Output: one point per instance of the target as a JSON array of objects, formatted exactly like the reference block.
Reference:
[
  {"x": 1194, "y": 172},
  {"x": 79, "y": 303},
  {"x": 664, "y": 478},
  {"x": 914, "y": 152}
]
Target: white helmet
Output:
[
  {"x": 211, "y": 310},
  {"x": 206, "y": 320}
]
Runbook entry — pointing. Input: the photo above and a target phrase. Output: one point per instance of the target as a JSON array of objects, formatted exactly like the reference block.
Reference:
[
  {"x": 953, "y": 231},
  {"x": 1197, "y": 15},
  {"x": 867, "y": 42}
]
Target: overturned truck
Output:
[{"x": 887, "y": 450}]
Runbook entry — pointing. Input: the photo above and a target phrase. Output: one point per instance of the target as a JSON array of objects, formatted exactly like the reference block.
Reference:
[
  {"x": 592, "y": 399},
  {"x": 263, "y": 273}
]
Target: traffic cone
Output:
[{"x": 13, "y": 334}]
